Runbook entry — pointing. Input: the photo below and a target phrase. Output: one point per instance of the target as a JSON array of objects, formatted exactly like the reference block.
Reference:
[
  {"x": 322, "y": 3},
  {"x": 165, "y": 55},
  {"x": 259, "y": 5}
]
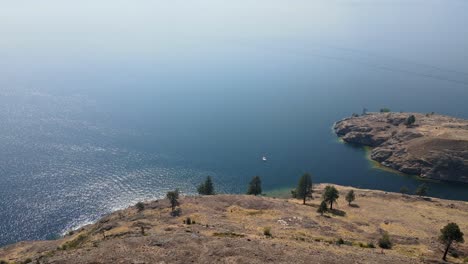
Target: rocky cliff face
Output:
[{"x": 435, "y": 146}]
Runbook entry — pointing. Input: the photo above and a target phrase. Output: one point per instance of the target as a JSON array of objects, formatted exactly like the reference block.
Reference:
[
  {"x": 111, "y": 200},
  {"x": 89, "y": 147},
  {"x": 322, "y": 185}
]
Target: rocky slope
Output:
[
  {"x": 231, "y": 229},
  {"x": 435, "y": 146}
]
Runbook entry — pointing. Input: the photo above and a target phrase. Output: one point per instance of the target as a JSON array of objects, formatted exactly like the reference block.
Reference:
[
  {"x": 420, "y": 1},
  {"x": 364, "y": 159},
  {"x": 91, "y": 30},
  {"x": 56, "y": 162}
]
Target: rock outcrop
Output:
[{"x": 435, "y": 146}]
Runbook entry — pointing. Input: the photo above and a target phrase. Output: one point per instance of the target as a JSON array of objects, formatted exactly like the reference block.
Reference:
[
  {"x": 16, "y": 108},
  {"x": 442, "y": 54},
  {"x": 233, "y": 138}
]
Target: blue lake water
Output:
[{"x": 106, "y": 104}]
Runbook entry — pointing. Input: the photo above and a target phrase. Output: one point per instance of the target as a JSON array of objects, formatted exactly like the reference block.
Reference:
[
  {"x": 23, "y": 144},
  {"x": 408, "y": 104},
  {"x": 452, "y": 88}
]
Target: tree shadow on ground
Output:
[
  {"x": 354, "y": 205},
  {"x": 337, "y": 212}
]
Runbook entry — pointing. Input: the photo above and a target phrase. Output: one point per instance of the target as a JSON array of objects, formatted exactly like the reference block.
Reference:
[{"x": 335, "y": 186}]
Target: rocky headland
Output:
[{"x": 434, "y": 146}]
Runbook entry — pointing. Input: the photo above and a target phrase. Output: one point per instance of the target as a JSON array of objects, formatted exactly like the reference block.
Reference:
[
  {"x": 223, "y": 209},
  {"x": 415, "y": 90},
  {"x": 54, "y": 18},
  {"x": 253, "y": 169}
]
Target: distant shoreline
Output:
[{"x": 432, "y": 147}]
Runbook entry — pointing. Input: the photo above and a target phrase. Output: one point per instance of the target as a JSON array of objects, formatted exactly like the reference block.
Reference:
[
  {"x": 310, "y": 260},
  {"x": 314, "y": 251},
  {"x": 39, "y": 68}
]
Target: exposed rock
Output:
[{"x": 434, "y": 147}]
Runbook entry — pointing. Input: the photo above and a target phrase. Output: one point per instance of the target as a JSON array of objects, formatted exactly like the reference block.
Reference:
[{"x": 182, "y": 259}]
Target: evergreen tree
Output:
[
  {"x": 207, "y": 187},
  {"x": 330, "y": 195},
  {"x": 410, "y": 120},
  {"x": 450, "y": 233},
  {"x": 421, "y": 190},
  {"x": 173, "y": 197},
  {"x": 322, "y": 208},
  {"x": 255, "y": 186},
  {"x": 304, "y": 188},
  {"x": 350, "y": 197},
  {"x": 140, "y": 206}
]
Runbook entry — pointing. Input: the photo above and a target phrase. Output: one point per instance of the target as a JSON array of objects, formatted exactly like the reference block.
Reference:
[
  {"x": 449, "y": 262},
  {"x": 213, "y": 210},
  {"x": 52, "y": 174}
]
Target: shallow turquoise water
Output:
[{"x": 105, "y": 104}]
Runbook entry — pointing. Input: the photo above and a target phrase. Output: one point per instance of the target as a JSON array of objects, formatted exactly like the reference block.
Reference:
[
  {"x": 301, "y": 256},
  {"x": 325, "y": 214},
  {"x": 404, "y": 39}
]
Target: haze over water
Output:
[{"x": 106, "y": 103}]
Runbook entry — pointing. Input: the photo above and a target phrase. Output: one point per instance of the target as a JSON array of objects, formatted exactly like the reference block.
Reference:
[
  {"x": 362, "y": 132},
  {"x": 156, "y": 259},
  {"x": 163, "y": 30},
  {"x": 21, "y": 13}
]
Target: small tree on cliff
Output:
[
  {"x": 410, "y": 120},
  {"x": 140, "y": 206},
  {"x": 350, "y": 197},
  {"x": 173, "y": 197},
  {"x": 207, "y": 187},
  {"x": 330, "y": 195},
  {"x": 304, "y": 188},
  {"x": 450, "y": 233},
  {"x": 255, "y": 186},
  {"x": 322, "y": 208}
]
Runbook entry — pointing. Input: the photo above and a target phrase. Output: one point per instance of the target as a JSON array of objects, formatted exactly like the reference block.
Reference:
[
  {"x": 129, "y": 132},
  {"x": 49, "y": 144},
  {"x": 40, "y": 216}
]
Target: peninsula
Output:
[{"x": 428, "y": 145}]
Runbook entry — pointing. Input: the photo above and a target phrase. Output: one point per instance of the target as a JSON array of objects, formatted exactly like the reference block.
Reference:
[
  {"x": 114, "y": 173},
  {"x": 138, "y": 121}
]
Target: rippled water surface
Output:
[{"x": 105, "y": 104}]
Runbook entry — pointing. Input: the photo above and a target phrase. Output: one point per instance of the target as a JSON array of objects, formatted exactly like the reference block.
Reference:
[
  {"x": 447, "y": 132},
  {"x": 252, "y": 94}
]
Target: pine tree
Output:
[
  {"x": 207, "y": 187},
  {"x": 449, "y": 234},
  {"x": 322, "y": 208},
  {"x": 173, "y": 197},
  {"x": 330, "y": 195},
  {"x": 304, "y": 188},
  {"x": 350, "y": 197},
  {"x": 255, "y": 186},
  {"x": 410, "y": 120}
]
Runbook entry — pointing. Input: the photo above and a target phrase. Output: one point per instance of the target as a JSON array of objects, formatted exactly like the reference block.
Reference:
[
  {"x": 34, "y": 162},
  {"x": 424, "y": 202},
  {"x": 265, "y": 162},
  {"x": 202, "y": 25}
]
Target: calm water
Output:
[{"x": 105, "y": 104}]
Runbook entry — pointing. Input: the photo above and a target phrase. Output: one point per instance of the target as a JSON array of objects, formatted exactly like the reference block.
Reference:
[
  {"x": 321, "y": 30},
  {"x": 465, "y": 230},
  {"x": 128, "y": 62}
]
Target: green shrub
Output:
[
  {"x": 140, "y": 206},
  {"x": 340, "y": 241},
  {"x": 368, "y": 245},
  {"x": 28, "y": 260},
  {"x": 267, "y": 231},
  {"x": 188, "y": 221},
  {"x": 74, "y": 243},
  {"x": 384, "y": 241},
  {"x": 384, "y": 110},
  {"x": 228, "y": 234}
]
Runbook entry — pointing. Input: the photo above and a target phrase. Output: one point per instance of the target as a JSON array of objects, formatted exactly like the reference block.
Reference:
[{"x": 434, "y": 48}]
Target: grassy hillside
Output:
[{"x": 237, "y": 228}]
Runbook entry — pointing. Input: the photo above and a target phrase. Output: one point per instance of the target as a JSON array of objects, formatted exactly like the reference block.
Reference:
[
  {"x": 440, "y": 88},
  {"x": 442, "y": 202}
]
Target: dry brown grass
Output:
[{"x": 230, "y": 229}]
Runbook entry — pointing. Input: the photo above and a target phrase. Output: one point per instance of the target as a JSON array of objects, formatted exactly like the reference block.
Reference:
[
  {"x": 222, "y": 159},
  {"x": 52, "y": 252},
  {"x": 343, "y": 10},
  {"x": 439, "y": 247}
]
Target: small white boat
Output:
[{"x": 264, "y": 158}]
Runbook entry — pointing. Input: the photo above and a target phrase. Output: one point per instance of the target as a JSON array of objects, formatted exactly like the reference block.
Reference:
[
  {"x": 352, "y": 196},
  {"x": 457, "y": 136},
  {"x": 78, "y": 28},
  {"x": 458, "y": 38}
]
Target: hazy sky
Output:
[{"x": 67, "y": 32}]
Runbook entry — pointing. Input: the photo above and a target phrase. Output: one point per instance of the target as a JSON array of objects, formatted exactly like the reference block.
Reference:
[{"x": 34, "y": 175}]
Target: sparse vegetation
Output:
[
  {"x": 207, "y": 187},
  {"x": 322, "y": 208},
  {"x": 449, "y": 234},
  {"x": 385, "y": 110},
  {"x": 173, "y": 197},
  {"x": 421, "y": 190},
  {"x": 267, "y": 231},
  {"x": 140, "y": 206},
  {"x": 74, "y": 243},
  {"x": 304, "y": 188},
  {"x": 410, "y": 120},
  {"x": 367, "y": 245},
  {"x": 350, "y": 197},
  {"x": 228, "y": 234},
  {"x": 188, "y": 221},
  {"x": 330, "y": 195},
  {"x": 255, "y": 186},
  {"x": 384, "y": 241}
]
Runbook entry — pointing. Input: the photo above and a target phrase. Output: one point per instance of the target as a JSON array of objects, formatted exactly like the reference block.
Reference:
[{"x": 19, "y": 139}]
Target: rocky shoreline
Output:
[{"x": 434, "y": 146}]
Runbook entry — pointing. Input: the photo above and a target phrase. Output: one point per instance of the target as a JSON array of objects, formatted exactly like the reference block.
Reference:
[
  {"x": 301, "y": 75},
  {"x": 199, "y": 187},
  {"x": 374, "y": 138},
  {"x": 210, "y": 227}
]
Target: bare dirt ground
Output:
[{"x": 230, "y": 229}]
